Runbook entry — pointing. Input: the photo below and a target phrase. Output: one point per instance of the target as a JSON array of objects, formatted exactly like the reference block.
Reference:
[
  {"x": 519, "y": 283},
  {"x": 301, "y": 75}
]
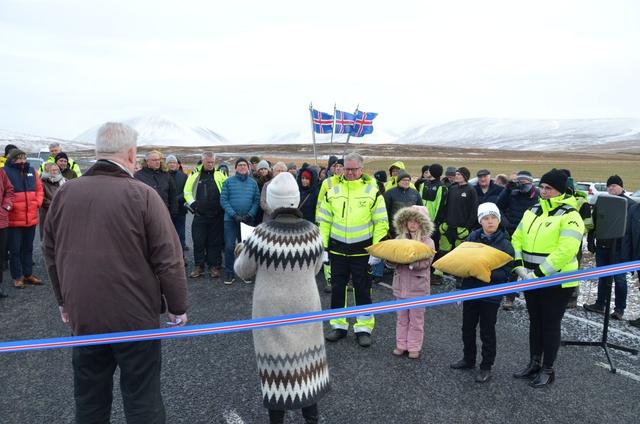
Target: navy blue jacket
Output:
[
  {"x": 631, "y": 241},
  {"x": 513, "y": 204},
  {"x": 492, "y": 194},
  {"x": 498, "y": 240}
]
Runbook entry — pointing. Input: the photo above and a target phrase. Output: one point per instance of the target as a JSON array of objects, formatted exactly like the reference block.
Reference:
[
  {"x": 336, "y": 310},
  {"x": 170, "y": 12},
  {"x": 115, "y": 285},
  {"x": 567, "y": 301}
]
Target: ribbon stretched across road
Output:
[{"x": 293, "y": 319}]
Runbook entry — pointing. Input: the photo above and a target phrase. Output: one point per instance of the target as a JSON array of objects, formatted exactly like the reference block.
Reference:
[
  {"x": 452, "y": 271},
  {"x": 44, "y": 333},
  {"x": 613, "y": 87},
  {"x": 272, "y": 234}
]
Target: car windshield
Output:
[{"x": 582, "y": 187}]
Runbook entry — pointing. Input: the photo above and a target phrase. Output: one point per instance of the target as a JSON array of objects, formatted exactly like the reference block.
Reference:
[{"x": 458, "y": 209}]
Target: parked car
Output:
[
  {"x": 591, "y": 190},
  {"x": 35, "y": 162}
]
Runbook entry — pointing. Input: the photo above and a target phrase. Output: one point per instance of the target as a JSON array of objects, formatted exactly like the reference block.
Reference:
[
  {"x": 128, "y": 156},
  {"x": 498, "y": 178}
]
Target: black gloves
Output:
[
  {"x": 237, "y": 218},
  {"x": 193, "y": 207}
]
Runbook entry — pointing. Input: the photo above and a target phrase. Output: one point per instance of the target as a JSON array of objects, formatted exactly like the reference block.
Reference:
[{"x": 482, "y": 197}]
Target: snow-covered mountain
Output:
[
  {"x": 525, "y": 134},
  {"x": 34, "y": 143},
  {"x": 160, "y": 131},
  {"x": 303, "y": 136}
]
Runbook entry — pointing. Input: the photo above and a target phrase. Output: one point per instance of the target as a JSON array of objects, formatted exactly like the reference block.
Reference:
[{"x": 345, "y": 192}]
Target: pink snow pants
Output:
[{"x": 410, "y": 329}]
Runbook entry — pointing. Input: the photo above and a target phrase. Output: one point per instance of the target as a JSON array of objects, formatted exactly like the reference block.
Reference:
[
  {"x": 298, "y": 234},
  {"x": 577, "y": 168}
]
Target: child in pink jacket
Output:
[{"x": 412, "y": 280}]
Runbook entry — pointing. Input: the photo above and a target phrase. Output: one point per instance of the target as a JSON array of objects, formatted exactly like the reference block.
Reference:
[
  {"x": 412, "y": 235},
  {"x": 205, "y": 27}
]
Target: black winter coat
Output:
[
  {"x": 631, "y": 241},
  {"x": 513, "y": 204},
  {"x": 498, "y": 240},
  {"x": 163, "y": 184},
  {"x": 398, "y": 198},
  {"x": 308, "y": 195},
  {"x": 461, "y": 207},
  {"x": 179, "y": 179}
]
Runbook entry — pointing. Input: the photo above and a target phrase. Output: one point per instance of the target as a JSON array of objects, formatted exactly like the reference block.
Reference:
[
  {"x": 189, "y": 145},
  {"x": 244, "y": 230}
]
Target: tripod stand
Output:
[{"x": 605, "y": 329}]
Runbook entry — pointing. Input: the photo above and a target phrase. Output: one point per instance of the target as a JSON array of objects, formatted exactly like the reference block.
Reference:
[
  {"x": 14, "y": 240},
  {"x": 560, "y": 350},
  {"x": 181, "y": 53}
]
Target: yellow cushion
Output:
[
  {"x": 472, "y": 260},
  {"x": 401, "y": 251}
]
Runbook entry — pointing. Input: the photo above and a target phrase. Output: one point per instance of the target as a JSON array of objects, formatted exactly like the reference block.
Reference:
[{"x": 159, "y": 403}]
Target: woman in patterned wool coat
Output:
[{"x": 285, "y": 254}]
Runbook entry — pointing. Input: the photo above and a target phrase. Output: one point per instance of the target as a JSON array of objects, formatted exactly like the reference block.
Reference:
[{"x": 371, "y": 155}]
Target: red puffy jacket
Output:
[
  {"x": 29, "y": 194},
  {"x": 7, "y": 197}
]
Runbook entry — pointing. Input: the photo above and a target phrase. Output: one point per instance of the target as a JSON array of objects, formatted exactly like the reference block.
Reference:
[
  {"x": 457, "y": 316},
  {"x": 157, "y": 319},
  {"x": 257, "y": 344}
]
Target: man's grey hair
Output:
[
  {"x": 280, "y": 166},
  {"x": 115, "y": 137},
  {"x": 54, "y": 144},
  {"x": 354, "y": 156},
  {"x": 208, "y": 155}
]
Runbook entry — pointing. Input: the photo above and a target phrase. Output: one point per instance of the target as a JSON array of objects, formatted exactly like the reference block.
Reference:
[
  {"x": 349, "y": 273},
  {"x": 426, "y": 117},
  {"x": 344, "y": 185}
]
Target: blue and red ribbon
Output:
[{"x": 325, "y": 315}]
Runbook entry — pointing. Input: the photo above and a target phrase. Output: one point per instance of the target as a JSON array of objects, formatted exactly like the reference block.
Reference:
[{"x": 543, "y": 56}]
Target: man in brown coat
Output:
[{"x": 115, "y": 263}]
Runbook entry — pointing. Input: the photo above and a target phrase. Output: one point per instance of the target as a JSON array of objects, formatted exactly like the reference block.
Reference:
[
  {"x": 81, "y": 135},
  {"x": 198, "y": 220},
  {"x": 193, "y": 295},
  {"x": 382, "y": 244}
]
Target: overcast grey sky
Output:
[{"x": 247, "y": 69}]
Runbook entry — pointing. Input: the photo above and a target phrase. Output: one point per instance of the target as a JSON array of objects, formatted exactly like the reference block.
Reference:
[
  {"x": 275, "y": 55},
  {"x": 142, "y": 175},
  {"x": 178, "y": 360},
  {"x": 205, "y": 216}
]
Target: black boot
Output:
[
  {"x": 544, "y": 378},
  {"x": 531, "y": 370}
]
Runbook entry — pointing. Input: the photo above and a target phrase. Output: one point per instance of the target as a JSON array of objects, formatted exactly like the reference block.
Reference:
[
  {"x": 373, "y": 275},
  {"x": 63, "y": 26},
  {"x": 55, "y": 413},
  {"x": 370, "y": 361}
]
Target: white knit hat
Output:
[
  {"x": 486, "y": 209},
  {"x": 282, "y": 192}
]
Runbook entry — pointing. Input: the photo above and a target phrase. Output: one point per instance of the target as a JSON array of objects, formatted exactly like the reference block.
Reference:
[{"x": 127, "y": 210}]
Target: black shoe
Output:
[
  {"x": 617, "y": 315},
  {"x": 483, "y": 376},
  {"x": 462, "y": 364},
  {"x": 544, "y": 378},
  {"x": 594, "y": 307},
  {"x": 635, "y": 322},
  {"x": 364, "y": 339},
  {"x": 530, "y": 370},
  {"x": 335, "y": 335}
]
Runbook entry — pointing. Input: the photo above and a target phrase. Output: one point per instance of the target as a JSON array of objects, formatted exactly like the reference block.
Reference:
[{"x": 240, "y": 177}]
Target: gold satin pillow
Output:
[
  {"x": 401, "y": 251},
  {"x": 472, "y": 260}
]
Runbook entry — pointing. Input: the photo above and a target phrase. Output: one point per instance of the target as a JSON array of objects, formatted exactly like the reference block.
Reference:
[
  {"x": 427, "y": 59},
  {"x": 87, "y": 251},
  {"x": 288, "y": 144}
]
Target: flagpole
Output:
[
  {"x": 313, "y": 133},
  {"x": 333, "y": 130},
  {"x": 355, "y": 114}
]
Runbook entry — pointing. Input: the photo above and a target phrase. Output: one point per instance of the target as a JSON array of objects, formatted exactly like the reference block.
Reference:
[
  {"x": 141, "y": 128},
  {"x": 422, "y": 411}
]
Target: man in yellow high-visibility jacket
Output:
[{"x": 352, "y": 216}]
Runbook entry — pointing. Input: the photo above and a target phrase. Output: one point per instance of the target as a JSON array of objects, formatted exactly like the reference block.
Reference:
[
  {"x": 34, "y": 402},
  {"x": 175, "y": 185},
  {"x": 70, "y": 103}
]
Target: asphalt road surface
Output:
[{"x": 213, "y": 379}]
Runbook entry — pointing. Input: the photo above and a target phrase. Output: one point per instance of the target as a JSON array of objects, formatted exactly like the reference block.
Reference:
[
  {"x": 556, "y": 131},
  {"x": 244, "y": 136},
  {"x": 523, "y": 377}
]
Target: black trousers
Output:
[
  {"x": 310, "y": 413},
  {"x": 356, "y": 268},
  {"x": 139, "y": 362},
  {"x": 486, "y": 313},
  {"x": 208, "y": 240},
  {"x": 546, "y": 308}
]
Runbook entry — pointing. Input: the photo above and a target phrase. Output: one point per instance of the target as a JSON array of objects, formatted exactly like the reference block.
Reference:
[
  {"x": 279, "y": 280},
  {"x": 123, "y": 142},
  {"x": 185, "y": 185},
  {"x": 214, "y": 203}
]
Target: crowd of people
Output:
[{"x": 306, "y": 219}]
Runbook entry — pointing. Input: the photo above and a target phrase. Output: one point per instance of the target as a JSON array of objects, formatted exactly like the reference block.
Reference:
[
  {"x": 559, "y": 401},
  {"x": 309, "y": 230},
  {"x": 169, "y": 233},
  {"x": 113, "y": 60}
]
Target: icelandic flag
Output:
[
  {"x": 322, "y": 122},
  {"x": 363, "y": 124},
  {"x": 344, "y": 122}
]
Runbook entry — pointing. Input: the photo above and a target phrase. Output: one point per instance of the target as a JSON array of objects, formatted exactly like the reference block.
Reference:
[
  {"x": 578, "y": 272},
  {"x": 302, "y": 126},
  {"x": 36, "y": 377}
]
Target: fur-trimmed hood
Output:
[{"x": 412, "y": 213}]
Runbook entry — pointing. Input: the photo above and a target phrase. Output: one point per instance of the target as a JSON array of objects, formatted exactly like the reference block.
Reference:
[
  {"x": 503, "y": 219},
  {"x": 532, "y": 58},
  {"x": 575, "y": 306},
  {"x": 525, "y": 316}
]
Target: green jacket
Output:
[{"x": 549, "y": 236}]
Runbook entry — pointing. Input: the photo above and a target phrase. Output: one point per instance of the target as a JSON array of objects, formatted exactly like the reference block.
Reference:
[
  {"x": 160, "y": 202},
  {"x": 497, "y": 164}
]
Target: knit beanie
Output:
[
  {"x": 425, "y": 168},
  {"x": 556, "y": 179},
  {"x": 402, "y": 175},
  {"x": 263, "y": 164},
  {"x": 282, "y": 192},
  {"x": 380, "y": 176},
  {"x": 171, "y": 158},
  {"x": 240, "y": 160},
  {"x": 464, "y": 172},
  {"x": 332, "y": 159},
  {"x": 436, "y": 171},
  {"x": 615, "y": 179},
  {"x": 524, "y": 175},
  {"x": 451, "y": 171},
  {"x": 8, "y": 148},
  {"x": 14, "y": 153},
  {"x": 62, "y": 155},
  {"x": 486, "y": 209}
]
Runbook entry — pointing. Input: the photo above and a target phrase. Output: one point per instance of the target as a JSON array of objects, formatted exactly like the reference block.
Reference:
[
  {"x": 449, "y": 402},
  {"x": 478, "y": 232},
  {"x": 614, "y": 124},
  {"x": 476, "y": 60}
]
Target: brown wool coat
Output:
[{"x": 111, "y": 252}]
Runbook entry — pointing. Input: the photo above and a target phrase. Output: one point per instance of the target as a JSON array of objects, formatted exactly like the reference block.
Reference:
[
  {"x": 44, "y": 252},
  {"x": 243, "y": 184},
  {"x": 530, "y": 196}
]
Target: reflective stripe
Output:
[
  {"x": 517, "y": 255},
  {"x": 519, "y": 226},
  {"x": 368, "y": 189},
  {"x": 352, "y": 229},
  {"x": 571, "y": 233},
  {"x": 534, "y": 259},
  {"x": 321, "y": 219},
  {"x": 324, "y": 211},
  {"x": 351, "y": 240},
  {"x": 329, "y": 185},
  {"x": 547, "y": 268},
  {"x": 380, "y": 210}
]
